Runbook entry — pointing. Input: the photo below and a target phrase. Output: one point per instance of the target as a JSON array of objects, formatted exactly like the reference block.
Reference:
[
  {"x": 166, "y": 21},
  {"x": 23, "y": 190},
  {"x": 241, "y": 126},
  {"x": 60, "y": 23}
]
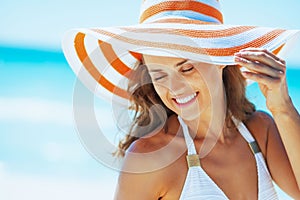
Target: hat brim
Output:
[{"x": 103, "y": 58}]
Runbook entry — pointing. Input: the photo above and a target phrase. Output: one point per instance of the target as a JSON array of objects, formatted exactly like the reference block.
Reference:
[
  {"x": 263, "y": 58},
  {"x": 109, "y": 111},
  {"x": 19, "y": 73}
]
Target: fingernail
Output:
[
  {"x": 280, "y": 72},
  {"x": 239, "y": 59}
]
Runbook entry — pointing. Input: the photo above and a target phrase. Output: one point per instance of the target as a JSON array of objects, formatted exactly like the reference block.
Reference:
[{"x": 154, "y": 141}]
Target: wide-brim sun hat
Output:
[{"x": 104, "y": 58}]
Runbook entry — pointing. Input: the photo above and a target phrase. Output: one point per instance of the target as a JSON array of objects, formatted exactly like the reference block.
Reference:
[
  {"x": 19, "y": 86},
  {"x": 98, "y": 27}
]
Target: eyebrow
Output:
[
  {"x": 176, "y": 65},
  {"x": 181, "y": 63}
]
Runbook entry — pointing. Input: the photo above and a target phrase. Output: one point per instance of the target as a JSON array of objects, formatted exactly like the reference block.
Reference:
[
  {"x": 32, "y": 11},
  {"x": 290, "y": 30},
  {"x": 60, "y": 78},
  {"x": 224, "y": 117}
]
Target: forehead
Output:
[{"x": 156, "y": 61}]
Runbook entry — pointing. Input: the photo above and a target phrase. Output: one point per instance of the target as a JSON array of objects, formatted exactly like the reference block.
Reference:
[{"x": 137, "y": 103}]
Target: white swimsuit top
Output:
[{"x": 198, "y": 185}]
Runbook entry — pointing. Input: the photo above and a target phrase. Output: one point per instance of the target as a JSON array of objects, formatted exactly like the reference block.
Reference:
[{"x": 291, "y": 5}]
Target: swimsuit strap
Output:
[
  {"x": 188, "y": 139},
  {"x": 247, "y": 135}
]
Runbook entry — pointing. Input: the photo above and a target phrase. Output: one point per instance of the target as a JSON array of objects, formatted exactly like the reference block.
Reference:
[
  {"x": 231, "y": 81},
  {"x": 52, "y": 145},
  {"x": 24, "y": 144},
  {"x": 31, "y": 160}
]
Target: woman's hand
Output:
[{"x": 269, "y": 72}]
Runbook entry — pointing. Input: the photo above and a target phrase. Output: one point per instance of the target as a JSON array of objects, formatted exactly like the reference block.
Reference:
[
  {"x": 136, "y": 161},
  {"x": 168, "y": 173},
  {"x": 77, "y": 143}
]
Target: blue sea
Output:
[{"x": 41, "y": 154}]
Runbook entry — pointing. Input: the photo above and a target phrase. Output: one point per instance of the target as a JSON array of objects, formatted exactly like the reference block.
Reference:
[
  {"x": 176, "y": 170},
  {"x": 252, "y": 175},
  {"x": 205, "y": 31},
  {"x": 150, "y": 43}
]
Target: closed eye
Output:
[
  {"x": 187, "y": 69},
  {"x": 159, "y": 78}
]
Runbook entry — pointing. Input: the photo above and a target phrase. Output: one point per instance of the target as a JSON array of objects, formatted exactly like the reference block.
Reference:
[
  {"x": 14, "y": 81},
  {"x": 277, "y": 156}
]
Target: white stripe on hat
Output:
[{"x": 282, "y": 38}]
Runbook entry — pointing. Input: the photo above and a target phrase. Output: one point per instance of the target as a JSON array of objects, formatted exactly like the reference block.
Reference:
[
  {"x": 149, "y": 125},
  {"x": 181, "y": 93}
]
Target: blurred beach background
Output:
[{"x": 41, "y": 154}]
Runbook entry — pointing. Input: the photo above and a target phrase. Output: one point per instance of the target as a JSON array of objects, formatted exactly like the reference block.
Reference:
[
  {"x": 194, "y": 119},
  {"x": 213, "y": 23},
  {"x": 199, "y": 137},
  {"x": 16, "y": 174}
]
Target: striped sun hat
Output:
[{"x": 103, "y": 58}]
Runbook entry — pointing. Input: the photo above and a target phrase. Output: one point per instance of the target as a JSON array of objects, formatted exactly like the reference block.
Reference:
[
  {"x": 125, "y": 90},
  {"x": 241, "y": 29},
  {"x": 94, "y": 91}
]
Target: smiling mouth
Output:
[{"x": 184, "y": 101}]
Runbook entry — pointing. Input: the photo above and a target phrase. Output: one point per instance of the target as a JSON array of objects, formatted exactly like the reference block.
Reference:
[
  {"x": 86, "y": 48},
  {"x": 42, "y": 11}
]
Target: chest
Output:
[{"x": 232, "y": 169}]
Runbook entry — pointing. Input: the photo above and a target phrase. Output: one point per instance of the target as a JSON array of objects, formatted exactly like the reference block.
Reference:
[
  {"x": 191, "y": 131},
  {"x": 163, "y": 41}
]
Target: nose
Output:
[{"x": 178, "y": 85}]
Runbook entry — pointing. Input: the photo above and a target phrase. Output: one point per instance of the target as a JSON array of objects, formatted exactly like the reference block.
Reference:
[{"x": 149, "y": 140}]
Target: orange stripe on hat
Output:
[
  {"x": 90, "y": 67},
  {"x": 137, "y": 56},
  {"x": 113, "y": 59},
  {"x": 182, "y": 5},
  {"x": 259, "y": 42},
  {"x": 195, "y": 33},
  {"x": 276, "y": 51}
]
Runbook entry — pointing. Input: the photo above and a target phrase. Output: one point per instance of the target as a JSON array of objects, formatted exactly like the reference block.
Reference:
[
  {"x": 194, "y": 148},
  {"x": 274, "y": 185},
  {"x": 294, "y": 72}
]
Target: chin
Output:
[
  {"x": 189, "y": 117},
  {"x": 189, "y": 114}
]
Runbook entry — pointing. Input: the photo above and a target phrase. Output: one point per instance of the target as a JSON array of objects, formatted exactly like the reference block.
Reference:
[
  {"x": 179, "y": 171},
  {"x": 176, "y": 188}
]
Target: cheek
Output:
[
  {"x": 198, "y": 82},
  {"x": 209, "y": 79},
  {"x": 161, "y": 91},
  {"x": 206, "y": 85}
]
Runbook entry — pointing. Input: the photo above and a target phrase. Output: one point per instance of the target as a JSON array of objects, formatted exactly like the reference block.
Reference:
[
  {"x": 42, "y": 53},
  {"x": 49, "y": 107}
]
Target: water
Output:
[
  {"x": 41, "y": 152},
  {"x": 41, "y": 156}
]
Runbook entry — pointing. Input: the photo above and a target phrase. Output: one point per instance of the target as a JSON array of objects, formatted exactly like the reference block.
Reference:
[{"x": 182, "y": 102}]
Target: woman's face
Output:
[{"x": 187, "y": 87}]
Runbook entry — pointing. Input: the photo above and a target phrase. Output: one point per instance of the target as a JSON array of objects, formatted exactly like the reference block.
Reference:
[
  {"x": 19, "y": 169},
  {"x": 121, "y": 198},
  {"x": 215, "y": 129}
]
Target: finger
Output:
[
  {"x": 263, "y": 58},
  {"x": 265, "y": 51},
  {"x": 259, "y": 68},
  {"x": 261, "y": 78}
]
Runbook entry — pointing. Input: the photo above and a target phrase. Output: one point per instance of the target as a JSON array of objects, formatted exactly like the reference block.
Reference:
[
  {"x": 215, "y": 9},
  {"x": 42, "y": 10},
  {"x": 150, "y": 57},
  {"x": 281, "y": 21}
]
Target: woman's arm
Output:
[
  {"x": 288, "y": 123},
  {"x": 136, "y": 187},
  {"x": 283, "y": 145}
]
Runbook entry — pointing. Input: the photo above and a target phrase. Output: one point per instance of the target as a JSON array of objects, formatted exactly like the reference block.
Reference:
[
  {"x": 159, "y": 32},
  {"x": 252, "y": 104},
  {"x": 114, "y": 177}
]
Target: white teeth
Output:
[{"x": 186, "y": 99}]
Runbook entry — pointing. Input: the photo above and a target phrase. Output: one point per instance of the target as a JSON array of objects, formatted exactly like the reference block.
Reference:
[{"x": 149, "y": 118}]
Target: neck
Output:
[{"x": 210, "y": 125}]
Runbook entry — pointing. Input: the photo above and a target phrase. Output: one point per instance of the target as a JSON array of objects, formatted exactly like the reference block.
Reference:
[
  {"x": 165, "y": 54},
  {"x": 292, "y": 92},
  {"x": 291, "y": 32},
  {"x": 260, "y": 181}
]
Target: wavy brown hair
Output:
[{"x": 144, "y": 97}]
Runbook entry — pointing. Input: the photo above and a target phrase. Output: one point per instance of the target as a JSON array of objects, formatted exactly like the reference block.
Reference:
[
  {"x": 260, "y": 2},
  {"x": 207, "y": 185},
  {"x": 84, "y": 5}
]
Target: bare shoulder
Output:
[
  {"x": 152, "y": 152},
  {"x": 159, "y": 141},
  {"x": 260, "y": 116},
  {"x": 259, "y": 124},
  {"x": 147, "y": 144},
  {"x": 144, "y": 169}
]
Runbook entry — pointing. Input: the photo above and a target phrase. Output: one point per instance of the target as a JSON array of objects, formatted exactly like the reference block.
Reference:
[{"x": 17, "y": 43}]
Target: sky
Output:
[{"x": 41, "y": 155}]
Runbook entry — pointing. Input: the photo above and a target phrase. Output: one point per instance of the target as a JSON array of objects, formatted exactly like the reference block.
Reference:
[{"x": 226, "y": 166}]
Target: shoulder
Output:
[
  {"x": 158, "y": 150},
  {"x": 144, "y": 167},
  {"x": 146, "y": 153},
  {"x": 158, "y": 140},
  {"x": 259, "y": 124},
  {"x": 260, "y": 116},
  {"x": 148, "y": 144}
]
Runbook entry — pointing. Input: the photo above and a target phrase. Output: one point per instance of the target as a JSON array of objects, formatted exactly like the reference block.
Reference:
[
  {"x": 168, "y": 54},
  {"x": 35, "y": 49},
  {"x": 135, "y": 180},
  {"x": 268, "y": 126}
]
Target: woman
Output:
[
  {"x": 194, "y": 134},
  {"x": 230, "y": 164}
]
